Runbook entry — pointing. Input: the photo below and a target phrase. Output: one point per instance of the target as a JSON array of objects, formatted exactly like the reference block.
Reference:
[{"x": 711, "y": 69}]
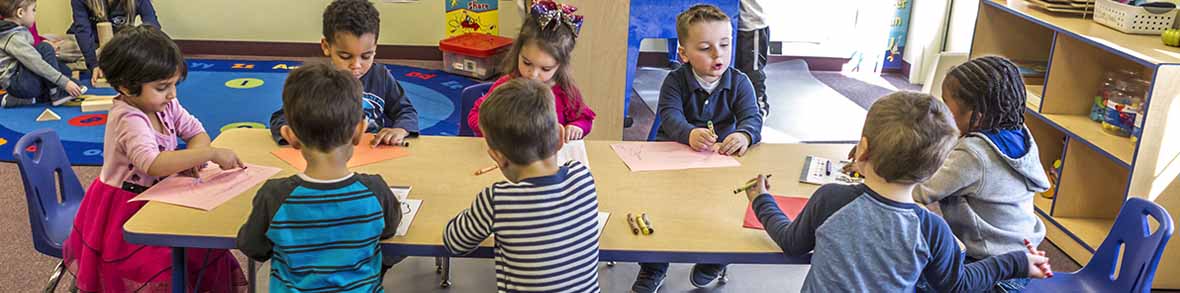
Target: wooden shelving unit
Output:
[{"x": 1099, "y": 170}]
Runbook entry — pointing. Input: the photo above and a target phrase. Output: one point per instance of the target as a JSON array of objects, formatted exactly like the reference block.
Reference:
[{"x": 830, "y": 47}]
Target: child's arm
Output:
[
  {"x": 796, "y": 237},
  {"x": 671, "y": 111},
  {"x": 470, "y": 227},
  {"x": 947, "y": 272},
  {"x": 473, "y": 117},
  {"x": 585, "y": 119},
  {"x": 745, "y": 107},
  {"x": 23, "y": 51},
  {"x": 83, "y": 31},
  {"x": 188, "y": 127},
  {"x": 389, "y": 204},
  {"x": 398, "y": 107},
  {"x": 277, "y": 120},
  {"x": 252, "y": 240},
  {"x": 959, "y": 171},
  {"x": 147, "y": 13}
]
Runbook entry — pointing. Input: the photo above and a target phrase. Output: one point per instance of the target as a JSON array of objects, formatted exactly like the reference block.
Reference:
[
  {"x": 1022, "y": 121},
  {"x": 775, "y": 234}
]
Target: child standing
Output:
[
  {"x": 701, "y": 105},
  {"x": 545, "y": 216},
  {"x": 350, "y": 40},
  {"x": 139, "y": 149},
  {"x": 30, "y": 72},
  {"x": 872, "y": 237},
  {"x": 327, "y": 220},
  {"x": 120, "y": 13},
  {"x": 986, "y": 187},
  {"x": 542, "y": 52}
]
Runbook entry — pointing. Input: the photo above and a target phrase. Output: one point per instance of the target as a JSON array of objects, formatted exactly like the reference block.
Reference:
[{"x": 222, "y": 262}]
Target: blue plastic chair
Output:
[
  {"x": 42, "y": 161},
  {"x": 656, "y": 19},
  {"x": 467, "y": 102},
  {"x": 1141, "y": 249}
]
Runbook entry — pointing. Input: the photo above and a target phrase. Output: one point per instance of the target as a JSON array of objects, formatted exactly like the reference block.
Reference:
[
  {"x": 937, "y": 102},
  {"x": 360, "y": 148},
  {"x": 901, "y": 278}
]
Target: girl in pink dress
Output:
[{"x": 139, "y": 149}]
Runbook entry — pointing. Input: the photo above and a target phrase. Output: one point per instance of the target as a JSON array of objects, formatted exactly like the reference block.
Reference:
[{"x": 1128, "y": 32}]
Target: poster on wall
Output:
[
  {"x": 465, "y": 16},
  {"x": 898, "y": 30}
]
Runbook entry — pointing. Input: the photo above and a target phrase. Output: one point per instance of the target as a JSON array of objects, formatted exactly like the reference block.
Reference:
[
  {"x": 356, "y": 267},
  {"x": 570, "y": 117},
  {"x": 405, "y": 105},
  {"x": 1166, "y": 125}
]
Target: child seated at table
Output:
[
  {"x": 322, "y": 226},
  {"x": 546, "y": 215},
  {"x": 872, "y": 237}
]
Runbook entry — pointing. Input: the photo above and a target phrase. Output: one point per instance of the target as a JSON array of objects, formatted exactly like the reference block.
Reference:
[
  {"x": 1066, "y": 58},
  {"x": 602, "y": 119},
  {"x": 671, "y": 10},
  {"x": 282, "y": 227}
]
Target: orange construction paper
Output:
[{"x": 362, "y": 154}]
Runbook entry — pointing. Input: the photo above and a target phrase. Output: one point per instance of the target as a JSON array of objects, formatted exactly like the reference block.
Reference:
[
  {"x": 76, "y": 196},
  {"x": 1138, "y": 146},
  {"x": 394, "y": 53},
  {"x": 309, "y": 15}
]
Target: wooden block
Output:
[
  {"x": 97, "y": 103},
  {"x": 48, "y": 115},
  {"x": 101, "y": 83}
]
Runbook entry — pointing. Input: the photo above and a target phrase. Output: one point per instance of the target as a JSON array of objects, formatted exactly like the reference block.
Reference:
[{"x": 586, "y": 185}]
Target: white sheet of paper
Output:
[
  {"x": 602, "y": 217},
  {"x": 409, "y": 210},
  {"x": 401, "y": 192},
  {"x": 574, "y": 151},
  {"x": 820, "y": 171}
]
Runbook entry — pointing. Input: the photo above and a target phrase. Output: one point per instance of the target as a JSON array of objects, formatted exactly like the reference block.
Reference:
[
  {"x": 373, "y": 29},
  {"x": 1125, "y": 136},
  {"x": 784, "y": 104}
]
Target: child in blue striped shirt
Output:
[
  {"x": 321, "y": 228},
  {"x": 545, "y": 215}
]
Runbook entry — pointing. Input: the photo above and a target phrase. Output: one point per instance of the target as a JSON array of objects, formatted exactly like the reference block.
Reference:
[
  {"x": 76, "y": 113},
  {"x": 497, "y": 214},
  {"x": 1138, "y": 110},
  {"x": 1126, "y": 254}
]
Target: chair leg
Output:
[
  {"x": 724, "y": 276},
  {"x": 438, "y": 265},
  {"x": 610, "y": 263},
  {"x": 445, "y": 268},
  {"x": 58, "y": 272}
]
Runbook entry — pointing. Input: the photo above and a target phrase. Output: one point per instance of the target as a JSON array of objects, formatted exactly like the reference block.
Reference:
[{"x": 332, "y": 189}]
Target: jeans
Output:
[{"x": 27, "y": 84}]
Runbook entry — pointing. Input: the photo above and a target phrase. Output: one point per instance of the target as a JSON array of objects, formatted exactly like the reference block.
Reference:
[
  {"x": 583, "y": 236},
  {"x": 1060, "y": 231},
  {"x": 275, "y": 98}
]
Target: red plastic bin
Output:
[{"x": 474, "y": 54}]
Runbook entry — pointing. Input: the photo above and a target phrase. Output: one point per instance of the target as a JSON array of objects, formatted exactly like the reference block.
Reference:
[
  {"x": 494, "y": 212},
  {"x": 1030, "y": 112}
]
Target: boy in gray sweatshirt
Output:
[
  {"x": 985, "y": 188},
  {"x": 30, "y": 73}
]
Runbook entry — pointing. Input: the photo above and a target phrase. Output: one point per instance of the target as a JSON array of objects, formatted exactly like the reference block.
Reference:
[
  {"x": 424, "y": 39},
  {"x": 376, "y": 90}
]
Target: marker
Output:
[
  {"x": 486, "y": 170},
  {"x": 749, "y": 185},
  {"x": 710, "y": 124},
  {"x": 643, "y": 226},
  {"x": 631, "y": 222},
  {"x": 829, "y": 164},
  {"x": 401, "y": 144},
  {"x": 651, "y": 229}
]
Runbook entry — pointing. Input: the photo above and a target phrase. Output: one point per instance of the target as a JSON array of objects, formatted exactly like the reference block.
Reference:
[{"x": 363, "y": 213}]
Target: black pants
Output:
[
  {"x": 27, "y": 84},
  {"x": 752, "y": 48}
]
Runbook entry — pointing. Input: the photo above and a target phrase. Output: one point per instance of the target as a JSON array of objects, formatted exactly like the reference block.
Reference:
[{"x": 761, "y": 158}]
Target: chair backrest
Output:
[
  {"x": 1141, "y": 247},
  {"x": 46, "y": 174},
  {"x": 466, "y": 102}
]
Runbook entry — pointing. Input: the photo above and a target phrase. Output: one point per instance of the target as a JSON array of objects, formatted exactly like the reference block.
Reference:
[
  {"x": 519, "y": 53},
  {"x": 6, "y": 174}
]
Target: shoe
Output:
[
  {"x": 67, "y": 98},
  {"x": 703, "y": 274},
  {"x": 648, "y": 282},
  {"x": 9, "y": 101}
]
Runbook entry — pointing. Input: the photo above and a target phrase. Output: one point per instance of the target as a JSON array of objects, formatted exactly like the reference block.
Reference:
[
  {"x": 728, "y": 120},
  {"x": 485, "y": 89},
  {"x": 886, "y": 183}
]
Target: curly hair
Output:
[
  {"x": 357, "y": 17},
  {"x": 992, "y": 89}
]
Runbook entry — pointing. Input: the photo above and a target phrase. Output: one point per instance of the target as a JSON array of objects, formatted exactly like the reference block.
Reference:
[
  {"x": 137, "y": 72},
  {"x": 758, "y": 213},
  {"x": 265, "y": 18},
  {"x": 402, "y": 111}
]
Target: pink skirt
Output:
[{"x": 102, "y": 261}]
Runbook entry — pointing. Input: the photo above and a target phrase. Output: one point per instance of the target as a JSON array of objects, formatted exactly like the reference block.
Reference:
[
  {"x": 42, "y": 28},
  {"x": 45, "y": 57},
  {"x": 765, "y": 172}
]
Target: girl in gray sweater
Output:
[{"x": 986, "y": 186}]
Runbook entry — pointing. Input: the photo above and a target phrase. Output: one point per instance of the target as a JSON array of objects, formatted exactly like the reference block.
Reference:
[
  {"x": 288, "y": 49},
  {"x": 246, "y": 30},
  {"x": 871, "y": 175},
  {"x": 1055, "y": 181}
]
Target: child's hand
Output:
[
  {"x": 735, "y": 144},
  {"x": 1038, "y": 264},
  {"x": 74, "y": 89},
  {"x": 761, "y": 186},
  {"x": 227, "y": 159},
  {"x": 390, "y": 136},
  {"x": 573, "y": 132},
  {"x": 701, "y": 139},
  {"x": 95, "y": 75}
]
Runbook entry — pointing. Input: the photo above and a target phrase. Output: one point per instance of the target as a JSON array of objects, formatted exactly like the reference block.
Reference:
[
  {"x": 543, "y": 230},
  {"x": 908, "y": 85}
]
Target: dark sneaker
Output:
[
  {"x": 9, "y": 101},
  {"x": 66, "y": 98},
  {"x": 648, "y": 282},
  {"x": 703, "y": 274}
]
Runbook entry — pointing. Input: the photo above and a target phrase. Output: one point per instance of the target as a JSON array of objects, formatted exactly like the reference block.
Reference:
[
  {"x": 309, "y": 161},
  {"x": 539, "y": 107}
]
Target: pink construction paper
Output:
[
  {"x": 214, "y": 187},
  {"x": 362, "y": 154},
  {"x": 656, "y": 156}
]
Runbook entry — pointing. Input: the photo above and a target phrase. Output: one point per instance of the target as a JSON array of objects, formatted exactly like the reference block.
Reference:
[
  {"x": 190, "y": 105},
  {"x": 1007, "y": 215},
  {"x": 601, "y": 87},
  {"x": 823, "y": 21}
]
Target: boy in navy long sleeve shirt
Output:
[
  {"x": 704, "y": 91},
  {"x": 350, "y": 40},
  {"x": 873, "y": 237}
]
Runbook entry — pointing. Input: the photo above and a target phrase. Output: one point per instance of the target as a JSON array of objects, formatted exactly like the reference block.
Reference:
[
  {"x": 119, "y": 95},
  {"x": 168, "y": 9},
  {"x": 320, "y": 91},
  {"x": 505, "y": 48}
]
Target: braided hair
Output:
[{"x": 992, "y": 89}]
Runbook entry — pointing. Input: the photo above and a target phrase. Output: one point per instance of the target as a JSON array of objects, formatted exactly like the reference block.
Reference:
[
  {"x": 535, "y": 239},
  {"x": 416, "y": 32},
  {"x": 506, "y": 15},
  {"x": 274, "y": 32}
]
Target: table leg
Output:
[{"x": 178, "y": 270}]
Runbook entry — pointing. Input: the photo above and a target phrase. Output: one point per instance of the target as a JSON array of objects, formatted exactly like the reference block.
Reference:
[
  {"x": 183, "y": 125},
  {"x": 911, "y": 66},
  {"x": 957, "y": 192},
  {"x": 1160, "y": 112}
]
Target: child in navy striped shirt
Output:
[
  {"x": 545, "y": 215},
  {"x": 321, "y": 228}
]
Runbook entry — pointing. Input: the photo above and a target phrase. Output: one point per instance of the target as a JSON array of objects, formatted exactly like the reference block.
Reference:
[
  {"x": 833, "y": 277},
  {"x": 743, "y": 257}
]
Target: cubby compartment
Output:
[
  {"x": 993, "y": 36},
  {"x": 1050, "y": 144},
  {"x": 1091, "y": 191}
]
